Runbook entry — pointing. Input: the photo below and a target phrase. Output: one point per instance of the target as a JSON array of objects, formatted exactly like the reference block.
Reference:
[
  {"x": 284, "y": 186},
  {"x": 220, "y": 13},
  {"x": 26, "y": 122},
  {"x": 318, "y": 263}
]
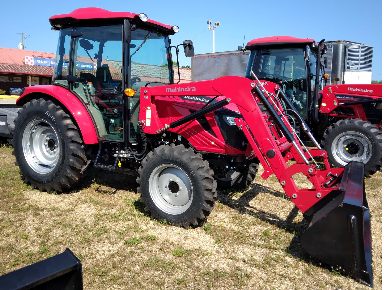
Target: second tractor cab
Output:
[{"x": 346, "y": 117}]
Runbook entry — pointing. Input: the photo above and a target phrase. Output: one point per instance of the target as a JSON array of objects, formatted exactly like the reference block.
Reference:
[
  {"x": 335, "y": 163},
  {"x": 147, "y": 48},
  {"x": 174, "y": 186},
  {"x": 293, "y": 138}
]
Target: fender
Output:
[{"x": 73, "y": 105}]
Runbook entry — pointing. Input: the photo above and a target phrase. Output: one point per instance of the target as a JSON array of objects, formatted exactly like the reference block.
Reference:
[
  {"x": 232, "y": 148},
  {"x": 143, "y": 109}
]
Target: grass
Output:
[{"x": 250, "y": 240}]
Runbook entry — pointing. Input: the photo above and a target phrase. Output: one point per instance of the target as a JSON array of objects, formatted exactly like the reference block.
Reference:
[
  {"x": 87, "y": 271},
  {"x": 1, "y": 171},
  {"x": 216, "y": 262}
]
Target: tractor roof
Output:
[
  {"x": 277, "y": 41},
  {"x": 93, "y": 16}
]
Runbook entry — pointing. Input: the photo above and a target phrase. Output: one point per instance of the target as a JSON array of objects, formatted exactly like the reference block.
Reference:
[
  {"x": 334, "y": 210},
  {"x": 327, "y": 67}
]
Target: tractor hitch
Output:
[{"x": 339, "y": 233}]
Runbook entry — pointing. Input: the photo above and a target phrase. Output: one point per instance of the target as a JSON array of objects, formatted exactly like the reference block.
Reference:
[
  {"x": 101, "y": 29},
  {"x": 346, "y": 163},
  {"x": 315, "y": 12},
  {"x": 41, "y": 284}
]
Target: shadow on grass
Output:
[
  {"x": 242, "y": 205},
  {"x": 295, "y": 249},
  {"x": 5, "y": 141},
  {"x": 114, "y": 181}
]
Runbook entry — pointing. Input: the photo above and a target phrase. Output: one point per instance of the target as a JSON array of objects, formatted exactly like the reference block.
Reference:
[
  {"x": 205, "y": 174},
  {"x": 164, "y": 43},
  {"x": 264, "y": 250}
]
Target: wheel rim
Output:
[
  {"x": 351, "y": 146},
  {"x": 170, "y": 189},
  {"x": 41, "y": 146}
]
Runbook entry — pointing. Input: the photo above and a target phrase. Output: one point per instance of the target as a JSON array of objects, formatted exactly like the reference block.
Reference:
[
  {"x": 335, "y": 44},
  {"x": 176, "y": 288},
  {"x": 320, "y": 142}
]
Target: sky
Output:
[{"x": 240, "y": 21}]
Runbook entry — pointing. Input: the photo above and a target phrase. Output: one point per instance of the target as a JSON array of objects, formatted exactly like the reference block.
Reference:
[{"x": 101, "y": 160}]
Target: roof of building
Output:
[
  {"x": 15, "y": 56},
  {"x": 12, "y": 60}
]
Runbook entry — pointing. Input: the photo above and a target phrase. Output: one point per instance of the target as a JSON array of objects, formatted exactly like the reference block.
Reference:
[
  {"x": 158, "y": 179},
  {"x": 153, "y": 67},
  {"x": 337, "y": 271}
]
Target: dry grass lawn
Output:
[{"x": 250, "y": 241}]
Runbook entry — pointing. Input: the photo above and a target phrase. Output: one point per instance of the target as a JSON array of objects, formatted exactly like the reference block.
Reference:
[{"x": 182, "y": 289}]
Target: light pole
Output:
[
  {"x": 210, "y": 26},
  {"x": 21, "y": 45}
]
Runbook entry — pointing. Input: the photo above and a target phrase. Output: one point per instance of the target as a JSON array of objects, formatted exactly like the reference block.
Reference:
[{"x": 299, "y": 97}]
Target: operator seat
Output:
[{"x": 104, "y": 76}]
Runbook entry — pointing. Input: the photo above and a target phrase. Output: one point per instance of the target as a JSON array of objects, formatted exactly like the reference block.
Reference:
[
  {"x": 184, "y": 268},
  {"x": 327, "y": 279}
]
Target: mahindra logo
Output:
[
  {"x": 196, "y": 99},
  {"x": 179, "y": 89},
  {"x": 360, "y": 90}
]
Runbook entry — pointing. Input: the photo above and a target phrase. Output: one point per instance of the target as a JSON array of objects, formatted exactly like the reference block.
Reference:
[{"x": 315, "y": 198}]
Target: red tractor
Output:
[
  {"x": 347, "y": 117},
  {"x": 113, "y": 104}
]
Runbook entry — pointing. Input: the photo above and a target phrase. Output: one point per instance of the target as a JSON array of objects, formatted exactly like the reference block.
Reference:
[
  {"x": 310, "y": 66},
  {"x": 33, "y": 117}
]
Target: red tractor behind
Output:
[
  {"x": 121, "y": 111},
  {"x": 346, "y": 117}
]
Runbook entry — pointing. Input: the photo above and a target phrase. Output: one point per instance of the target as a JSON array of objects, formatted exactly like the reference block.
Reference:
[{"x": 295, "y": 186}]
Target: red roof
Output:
[
  {"x": 277, "y": 40},
  {"x": 16, "y": 56},
  {"x": 12, "y": 61},
  {"x": 26, "y": 69}
]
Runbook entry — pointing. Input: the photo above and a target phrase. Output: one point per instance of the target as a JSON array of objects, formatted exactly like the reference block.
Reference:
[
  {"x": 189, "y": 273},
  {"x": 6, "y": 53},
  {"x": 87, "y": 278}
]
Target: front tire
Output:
[
  {"x": 354, "y": 140},
  {"x": 48, "y": 147},
  {"x": 177, "y": 185}
]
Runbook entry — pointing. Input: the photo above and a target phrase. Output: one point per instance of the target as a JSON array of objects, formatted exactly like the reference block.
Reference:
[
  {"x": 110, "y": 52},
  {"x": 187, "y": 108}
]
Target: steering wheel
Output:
[
  {"x": 135, "y": 80},
  {"x": 117, "y": 89},
  {"x": 284, "y": 79}
]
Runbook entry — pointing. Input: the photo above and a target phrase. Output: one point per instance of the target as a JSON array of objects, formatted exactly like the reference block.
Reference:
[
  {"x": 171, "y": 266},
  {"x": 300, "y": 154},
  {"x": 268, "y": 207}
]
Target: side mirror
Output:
[
  {"x": 84, "y": 43},
  {"x": 189, "y": 51}
]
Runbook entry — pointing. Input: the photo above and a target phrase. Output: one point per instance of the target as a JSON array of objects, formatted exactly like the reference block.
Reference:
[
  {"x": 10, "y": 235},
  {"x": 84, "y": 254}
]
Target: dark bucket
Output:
[
  {"x": 60, "y": 272},
  {"x": 339, "y": 233}
]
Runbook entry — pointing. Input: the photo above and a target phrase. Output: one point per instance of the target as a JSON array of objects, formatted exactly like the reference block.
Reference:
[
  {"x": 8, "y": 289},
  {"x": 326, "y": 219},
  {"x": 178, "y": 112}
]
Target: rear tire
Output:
[
  {"x": 177, "y": 185},
  {"x": 48, "y": 147},
  {"x": 246, "y": 178},
  {"x": 354, "y": 140},
  {"x": 239, "y": 180}
]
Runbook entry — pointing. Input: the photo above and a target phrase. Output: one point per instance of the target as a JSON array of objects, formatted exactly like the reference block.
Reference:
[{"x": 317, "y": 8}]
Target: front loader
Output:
[{"x": 113, "y": 104}]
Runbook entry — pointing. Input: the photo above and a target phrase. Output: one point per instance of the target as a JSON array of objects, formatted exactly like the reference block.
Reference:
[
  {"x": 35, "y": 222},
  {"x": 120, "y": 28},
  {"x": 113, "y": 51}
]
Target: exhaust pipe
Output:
[{"x": 339, "y": 233}]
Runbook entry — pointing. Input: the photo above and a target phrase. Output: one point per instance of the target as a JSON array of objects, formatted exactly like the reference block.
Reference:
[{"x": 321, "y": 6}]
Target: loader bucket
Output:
[{"x": 339, "y": 233}]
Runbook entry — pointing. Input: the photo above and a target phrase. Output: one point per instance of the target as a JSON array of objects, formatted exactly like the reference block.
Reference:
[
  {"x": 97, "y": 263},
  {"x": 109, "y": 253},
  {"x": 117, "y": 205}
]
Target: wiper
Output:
[{"x": 145, "y": 39}]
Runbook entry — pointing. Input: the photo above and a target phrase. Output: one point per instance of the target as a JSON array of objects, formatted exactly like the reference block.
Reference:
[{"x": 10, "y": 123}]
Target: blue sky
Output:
[{"x": 354, "y": 20}]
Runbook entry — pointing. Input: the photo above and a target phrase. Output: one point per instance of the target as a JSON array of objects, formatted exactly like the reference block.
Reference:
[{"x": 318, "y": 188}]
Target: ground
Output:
[{"x": 250, "y": 240}]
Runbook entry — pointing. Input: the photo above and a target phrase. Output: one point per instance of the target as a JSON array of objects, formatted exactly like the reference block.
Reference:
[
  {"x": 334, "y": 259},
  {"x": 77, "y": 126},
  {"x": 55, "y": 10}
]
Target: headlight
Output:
[
  {"x": 143, "y": 17},
  {"x": 230, "y": 120},
  {"x": 175, "y": 28}
]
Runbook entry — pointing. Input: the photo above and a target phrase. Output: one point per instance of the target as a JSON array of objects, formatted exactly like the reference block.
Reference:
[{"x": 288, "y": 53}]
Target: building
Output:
[{"x": 22, "y": 68}]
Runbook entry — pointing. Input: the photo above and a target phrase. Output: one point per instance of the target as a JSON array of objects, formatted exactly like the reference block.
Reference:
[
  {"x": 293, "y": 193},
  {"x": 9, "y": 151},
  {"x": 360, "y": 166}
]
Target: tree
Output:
[{"x": 376, "y": 82}]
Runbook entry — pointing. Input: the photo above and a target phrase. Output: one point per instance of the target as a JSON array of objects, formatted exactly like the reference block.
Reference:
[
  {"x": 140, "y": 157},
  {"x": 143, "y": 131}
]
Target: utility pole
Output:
[
  {"x": 21, "y": 45},
  {"x": 210, "y": 26}
]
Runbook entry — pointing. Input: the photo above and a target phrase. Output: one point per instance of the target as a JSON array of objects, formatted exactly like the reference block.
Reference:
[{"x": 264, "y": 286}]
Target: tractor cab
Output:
[
  {"x": 291, "y": 63},
  {"x": 101, "y": 54}
]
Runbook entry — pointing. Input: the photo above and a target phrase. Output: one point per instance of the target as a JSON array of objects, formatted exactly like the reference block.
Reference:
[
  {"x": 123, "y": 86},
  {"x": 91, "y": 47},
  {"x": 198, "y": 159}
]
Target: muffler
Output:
[{"x": 339, "y": 233}]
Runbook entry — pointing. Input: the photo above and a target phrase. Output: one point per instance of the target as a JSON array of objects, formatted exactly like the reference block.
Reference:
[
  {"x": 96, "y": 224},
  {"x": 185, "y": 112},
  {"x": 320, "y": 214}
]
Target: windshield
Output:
[
  {"x": 149, "y": 57},
  {"x": 285, "y": 67}
]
